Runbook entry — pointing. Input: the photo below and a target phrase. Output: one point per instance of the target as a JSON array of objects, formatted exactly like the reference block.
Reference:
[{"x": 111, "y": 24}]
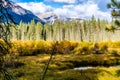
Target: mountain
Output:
[
  {"x": 48, "y": 17},
  {"x": 20, "y": 14}
]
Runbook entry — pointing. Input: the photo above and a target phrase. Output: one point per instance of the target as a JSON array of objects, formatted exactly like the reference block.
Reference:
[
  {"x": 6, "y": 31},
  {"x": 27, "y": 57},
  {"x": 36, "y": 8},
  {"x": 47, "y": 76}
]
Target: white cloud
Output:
[
  {"x": 63, "y": 1},
  {"x": 36, "y": 7},
  {"x": 85, "y": 10},
  {"x": 67, "y": 1}
]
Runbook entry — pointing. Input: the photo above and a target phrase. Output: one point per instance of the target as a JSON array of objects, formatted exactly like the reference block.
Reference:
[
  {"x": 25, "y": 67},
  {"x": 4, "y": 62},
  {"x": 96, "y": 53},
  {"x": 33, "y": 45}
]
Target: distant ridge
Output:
[
  {"x": 50, "y": 17},
  {"x": 20, "y": 14}
]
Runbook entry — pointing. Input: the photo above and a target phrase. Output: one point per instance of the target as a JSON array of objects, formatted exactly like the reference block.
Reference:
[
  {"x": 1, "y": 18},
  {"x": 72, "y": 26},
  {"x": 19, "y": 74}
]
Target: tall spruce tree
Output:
[{"x": 38, "y": 30}]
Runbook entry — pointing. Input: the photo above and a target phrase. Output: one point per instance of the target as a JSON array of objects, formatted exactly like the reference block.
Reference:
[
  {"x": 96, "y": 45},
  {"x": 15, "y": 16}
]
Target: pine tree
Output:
[
  {"x": 47, "y": 32},
  {"x": 115, "y": 6},
  {"x": 31, "y": 30},
  {"x": 38, "y": 31}
]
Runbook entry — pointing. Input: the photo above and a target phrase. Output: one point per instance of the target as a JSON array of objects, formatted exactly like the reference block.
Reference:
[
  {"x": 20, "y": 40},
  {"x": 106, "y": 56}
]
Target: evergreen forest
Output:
[{"x": 93, "y": 30}]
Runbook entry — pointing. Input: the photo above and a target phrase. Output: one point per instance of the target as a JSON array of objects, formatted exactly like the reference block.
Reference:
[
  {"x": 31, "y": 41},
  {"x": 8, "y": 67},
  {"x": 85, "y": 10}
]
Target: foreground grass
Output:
[
  {"x": 61, "y": 67},
  {"x": 30, "y": 58}
]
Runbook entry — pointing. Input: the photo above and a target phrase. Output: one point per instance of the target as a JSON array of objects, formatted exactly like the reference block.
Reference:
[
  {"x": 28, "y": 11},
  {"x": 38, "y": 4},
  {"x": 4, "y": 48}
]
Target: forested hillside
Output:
[{"x": 84, "y": 30}]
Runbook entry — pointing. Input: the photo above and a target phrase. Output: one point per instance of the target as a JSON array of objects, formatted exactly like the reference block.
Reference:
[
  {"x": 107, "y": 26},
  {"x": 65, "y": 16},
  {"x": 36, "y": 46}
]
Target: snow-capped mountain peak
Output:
[
  {"x": 21, "y": 14},
  {"x": 19, "y": 10},
  {"x": 48, "y": 17}
]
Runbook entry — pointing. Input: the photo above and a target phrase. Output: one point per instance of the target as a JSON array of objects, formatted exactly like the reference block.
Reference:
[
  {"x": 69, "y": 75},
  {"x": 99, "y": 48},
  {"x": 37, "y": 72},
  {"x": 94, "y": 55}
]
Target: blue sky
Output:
[{"x": 68, "y": 8}]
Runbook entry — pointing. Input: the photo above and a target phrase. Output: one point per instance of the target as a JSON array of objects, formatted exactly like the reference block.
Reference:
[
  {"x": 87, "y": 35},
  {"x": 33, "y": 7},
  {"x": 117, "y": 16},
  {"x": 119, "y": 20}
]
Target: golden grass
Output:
[
  {"x": 61, "y": 67},
  {"x": 31, "y": 47},
  {"x": 69, "y": 54}
]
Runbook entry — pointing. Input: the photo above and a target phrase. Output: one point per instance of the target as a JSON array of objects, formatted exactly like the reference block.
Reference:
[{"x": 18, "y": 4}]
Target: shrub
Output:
[
  {"x": 83, "y": 48},
  {"x": 103, "y": 47},
  {"x": 25, "y": 48},
  {"x": 65, "y": 47}
]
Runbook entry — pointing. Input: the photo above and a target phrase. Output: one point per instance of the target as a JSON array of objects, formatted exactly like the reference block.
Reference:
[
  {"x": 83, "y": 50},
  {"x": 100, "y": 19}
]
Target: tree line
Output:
[{"x": 84, "y": 30}]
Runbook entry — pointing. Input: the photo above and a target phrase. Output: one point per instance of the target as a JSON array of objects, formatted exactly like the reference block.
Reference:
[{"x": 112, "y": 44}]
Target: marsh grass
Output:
[
  {"x": 68, "y": 55},
  {"x": 61, "y": 67}
]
